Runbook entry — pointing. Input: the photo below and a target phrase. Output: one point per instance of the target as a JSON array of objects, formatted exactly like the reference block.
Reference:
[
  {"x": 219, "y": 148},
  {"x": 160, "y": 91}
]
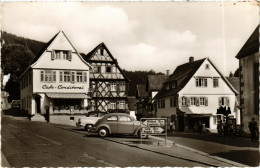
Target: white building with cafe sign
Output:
[{"x": 57, "y": 82}]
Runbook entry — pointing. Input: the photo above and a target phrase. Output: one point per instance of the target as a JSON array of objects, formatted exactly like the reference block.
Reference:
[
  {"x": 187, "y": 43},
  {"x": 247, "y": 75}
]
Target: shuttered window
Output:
[
  {"x": 223, "y": 101},
  {"x": 61, "y": 55}
]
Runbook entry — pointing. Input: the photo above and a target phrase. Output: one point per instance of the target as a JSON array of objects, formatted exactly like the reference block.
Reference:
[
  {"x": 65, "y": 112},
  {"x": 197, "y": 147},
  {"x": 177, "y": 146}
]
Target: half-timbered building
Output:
[{"x": 108, "y": 83}]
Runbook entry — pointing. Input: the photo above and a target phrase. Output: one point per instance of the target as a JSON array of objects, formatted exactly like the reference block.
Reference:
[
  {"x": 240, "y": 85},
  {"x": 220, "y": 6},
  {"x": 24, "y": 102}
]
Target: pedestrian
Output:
[
  {"x": 220, "y": 128},
  {"x": 253, "y": 129},
  {"x": 200, "y": 127},
  {"x": 171, "y": 126}
]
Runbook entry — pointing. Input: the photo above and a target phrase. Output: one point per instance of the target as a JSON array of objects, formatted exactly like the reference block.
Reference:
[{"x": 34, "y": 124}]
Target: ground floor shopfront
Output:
[
  {"x": 45, "y": 106},
  {"x": 182, "y": 121}
]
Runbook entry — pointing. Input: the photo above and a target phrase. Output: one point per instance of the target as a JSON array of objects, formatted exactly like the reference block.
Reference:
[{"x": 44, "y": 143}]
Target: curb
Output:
[
  {"x": 205, "y": 154},
  {"x": 4, "y": 162}
]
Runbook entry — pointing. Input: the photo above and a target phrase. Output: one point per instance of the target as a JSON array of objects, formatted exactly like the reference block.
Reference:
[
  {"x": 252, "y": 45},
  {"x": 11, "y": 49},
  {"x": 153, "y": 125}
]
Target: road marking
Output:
[
  {"x": 100, "y": 161},
  {"x": 47, "y": 139}
]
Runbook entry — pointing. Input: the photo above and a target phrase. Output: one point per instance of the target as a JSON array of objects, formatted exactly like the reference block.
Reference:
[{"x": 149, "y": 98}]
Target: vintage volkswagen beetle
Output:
[{"x": 117, "y": 123}]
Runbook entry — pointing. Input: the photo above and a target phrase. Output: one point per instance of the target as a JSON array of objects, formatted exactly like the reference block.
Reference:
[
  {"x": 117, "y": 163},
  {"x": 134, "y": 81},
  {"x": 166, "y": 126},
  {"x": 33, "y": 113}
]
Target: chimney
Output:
[
  {"x": 167, "y": 72},
  {"x": 191, "y": 59}
]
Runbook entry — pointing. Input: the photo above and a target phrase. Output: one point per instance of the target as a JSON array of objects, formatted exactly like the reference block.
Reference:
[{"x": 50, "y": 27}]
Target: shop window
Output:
[
  {"x": 201, "y": 82},
  {"x": 215, "y": 82}
]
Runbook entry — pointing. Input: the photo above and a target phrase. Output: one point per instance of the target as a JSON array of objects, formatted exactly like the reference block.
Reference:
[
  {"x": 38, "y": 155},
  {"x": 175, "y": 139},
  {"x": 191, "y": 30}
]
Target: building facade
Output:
[
  {"x": 57, "y": 82},
  {"x": 249, "y": 80},
  {"x": 194, "y": 93},
  {"x": 108, "y": 83}
]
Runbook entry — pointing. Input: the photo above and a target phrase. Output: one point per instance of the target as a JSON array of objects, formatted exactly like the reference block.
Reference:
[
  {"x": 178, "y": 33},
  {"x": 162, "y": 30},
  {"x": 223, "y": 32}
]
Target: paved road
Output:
[
  {"x": 240, "y": 150},
  {"x": 26, "y": 143}
]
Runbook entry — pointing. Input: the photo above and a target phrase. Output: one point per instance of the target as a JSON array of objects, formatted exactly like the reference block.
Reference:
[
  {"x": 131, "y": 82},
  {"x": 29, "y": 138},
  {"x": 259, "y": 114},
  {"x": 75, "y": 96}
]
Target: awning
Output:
[
  {"x": 199, "y": 115},
  {"x": 67, "y": 95}
]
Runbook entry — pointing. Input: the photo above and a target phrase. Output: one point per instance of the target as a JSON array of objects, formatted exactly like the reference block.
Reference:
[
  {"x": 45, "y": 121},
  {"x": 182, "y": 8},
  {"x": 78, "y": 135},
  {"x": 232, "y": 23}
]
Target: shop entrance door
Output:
[
  {"x": 181, "y": 122},
  {"x": 38, "y": 105}
]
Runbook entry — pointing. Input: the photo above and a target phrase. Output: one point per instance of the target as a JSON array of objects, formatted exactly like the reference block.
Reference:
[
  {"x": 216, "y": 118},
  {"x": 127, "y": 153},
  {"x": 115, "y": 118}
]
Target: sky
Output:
[{"x": 155, "y": 36}]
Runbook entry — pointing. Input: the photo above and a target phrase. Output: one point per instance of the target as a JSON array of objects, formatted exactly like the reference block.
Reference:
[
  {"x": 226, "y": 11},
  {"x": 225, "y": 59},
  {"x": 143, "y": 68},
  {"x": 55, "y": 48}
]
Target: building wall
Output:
[
  {"x": 247, "y": 90},
  {"x": 211, "y": 93},
  {"x": 26, "y": 91},
  {"x": 58, "y": 86}
]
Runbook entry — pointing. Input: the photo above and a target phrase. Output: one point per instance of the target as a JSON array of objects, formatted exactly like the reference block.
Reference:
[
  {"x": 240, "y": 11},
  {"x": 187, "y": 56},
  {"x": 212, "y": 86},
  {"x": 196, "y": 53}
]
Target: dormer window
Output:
[{"x": 61, "y": 55}]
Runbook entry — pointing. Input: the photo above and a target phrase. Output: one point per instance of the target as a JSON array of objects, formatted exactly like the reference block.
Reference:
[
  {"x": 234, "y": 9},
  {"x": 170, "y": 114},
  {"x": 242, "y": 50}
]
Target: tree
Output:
[
  {"x": 231, "y": 74},
  {"x": 15, "y": 59},
  {"x": 236, "y": 74}
]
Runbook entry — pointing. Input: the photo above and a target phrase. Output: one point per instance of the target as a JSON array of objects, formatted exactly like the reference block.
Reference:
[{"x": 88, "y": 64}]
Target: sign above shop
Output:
[{"x": 50, "y": 87}]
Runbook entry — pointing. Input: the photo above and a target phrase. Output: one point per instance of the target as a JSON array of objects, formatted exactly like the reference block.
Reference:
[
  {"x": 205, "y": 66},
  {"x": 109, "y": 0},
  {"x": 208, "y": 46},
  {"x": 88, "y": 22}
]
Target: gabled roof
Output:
[
  {"x": 132, "y": 103},
  {"x": 45, "y": 47},
  {"x": 141, "y": 91},
  {"x": 183, "y": 73},
  {"x": 92, "y": 52},
  {"x": 234, "y": 81},
  {"x": 155, "y": 82},
  {"x": 251, "y": 46}
]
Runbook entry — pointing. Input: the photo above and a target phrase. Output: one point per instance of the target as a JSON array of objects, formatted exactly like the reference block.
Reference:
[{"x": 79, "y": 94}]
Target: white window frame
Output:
[
  {"x": 66, "y": 76},
  {"x": 113, "y": 87},
  {"x": 184, "y": 101},
  {"x": 202, "y": 101},
  {"x": 79, "y": 77},
  {"x": 121, "y": 105},
  {"x": 201, "y": 82},
  {"x": 193, "y": 101},
  {"x": 113, "y": 105},
  {"x": 215, "y": 81}
]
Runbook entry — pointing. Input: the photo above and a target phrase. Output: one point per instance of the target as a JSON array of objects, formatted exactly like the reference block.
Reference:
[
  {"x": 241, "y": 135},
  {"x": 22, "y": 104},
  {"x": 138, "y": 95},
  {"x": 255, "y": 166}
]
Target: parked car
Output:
[
  {"x": 117, "y": 123},
  {"x": 90, "y": 119},
  {"x": 15, "y": 104}
]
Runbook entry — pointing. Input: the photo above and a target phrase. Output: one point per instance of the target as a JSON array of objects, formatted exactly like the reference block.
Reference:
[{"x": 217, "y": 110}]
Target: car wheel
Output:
[
  {"x": 88, "y": 127},
  {"x": 103, "y": 132}
]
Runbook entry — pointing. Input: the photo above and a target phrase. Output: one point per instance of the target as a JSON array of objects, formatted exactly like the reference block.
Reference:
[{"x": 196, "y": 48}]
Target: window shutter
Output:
[
  {"x": 61, "y": 76},
  {"x": 227, "y": 98},
  {"x": 196, "y": 83},
  {"x": 84, "y": 76},
  {"x": 109, "y": 86},
  {"x": 52, "y": 54},
  {"x": 206, "y": 82},
  {"x": 206, "y": 101},
  {"x": 179, "y": 101},
  {"x": 72, "y": 75},
  {"x": 70, "y": 55},
  {"x": 188, "y": 101},
  {"x": 197, "y": 101},
  {"x": 54, "y": 76},
  {"x": 219, "y": 101},
  {"x": 117, "y": 105}
]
